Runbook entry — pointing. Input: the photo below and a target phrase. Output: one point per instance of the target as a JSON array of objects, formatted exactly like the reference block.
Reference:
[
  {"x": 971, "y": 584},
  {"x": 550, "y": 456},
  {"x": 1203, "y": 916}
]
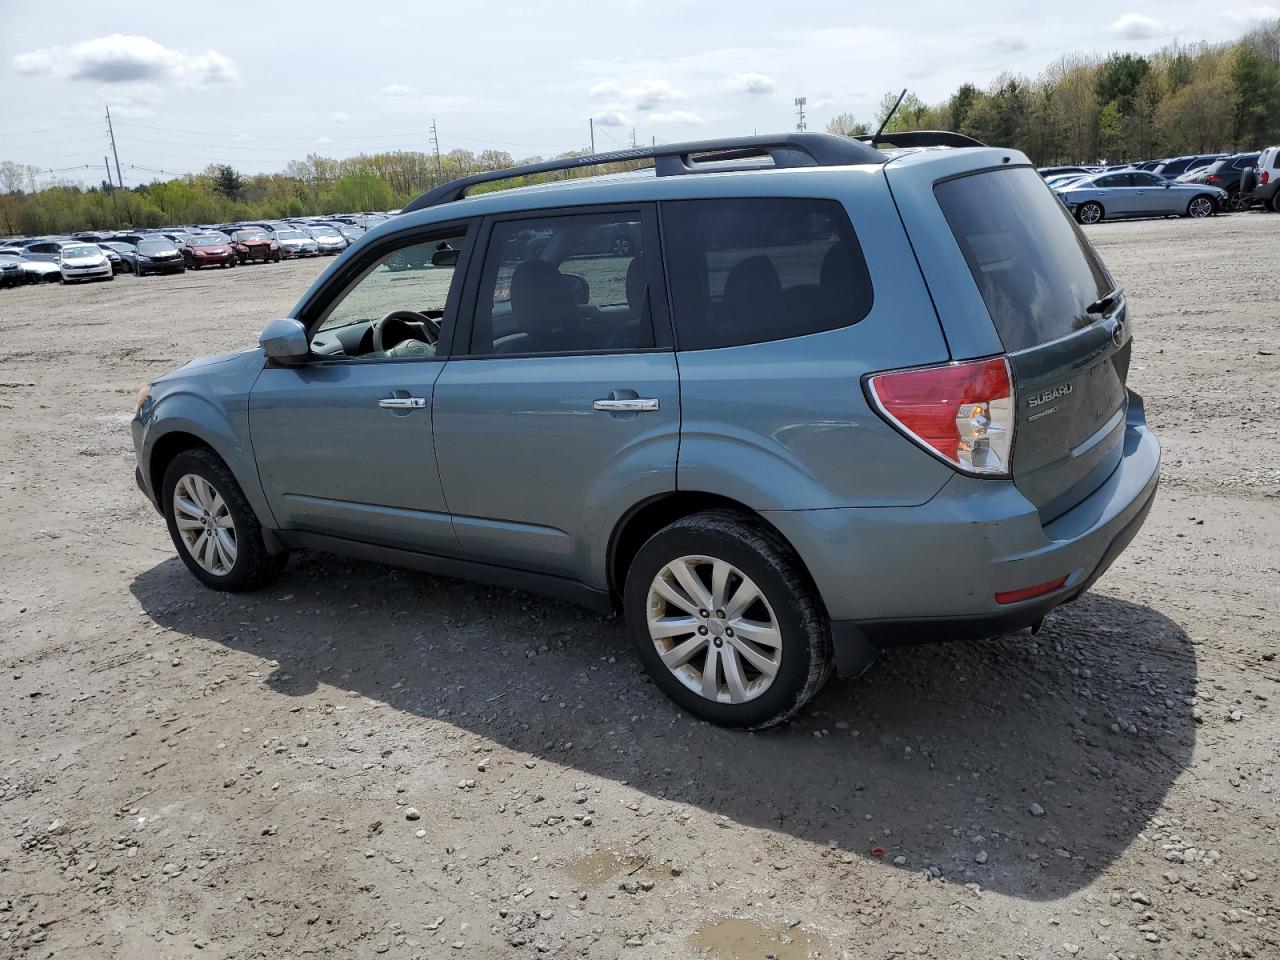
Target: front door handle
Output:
[
  {"x": 637, "y": 405},
  {"x": 403, "y": 403}
]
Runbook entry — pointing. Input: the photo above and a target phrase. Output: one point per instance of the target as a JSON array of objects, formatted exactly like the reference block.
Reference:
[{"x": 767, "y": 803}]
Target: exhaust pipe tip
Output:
[{"x": 1037, "y": 626}]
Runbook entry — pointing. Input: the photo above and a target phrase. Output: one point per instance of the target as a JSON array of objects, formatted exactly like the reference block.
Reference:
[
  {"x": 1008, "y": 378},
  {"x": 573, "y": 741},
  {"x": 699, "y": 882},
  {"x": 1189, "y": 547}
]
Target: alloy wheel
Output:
[
  {"x": 714, "y": 629},
  {"x": 205, "y": 524},
  {"x": 1200, "y": 207},
  {"x": 1090, "y": 213}
]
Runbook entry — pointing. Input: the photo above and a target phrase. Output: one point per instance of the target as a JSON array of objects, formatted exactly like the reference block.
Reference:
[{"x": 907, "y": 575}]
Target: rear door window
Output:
[
  {"x": 753, "y": 270},
  {"x": 1035, "y": 269}
]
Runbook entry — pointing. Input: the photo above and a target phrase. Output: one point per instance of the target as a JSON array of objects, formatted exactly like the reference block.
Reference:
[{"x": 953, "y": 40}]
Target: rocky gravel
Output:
[{"x": 367, "y": 762}]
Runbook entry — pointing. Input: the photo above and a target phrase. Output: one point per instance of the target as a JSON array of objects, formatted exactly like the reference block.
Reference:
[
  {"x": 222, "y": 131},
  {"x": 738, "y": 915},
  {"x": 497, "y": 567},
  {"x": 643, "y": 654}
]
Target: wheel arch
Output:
[{"x": 649, "y": 516}]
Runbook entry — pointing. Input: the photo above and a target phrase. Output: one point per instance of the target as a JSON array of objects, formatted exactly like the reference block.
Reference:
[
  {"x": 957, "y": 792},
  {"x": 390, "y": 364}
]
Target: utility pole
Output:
[
  {"x": 800, "y": 102},
  {"x": 633, "y": 138},
  {"x": 111, "y": 190},
  {"x": 592, "y": 124},
  {"x": 112, "y": 134},
  {"x": 435, "y": 143}
]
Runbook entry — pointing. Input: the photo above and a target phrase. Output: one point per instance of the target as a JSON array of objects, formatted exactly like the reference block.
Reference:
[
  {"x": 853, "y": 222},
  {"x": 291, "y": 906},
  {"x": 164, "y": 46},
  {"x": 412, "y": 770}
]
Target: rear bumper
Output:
[
  {"x": 1263, "y": 192},
  {"x": 902, "y": 575}
]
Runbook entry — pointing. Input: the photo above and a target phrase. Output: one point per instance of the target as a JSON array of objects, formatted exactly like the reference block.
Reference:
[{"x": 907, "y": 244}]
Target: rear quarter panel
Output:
[{"x": 785, "y": 425}]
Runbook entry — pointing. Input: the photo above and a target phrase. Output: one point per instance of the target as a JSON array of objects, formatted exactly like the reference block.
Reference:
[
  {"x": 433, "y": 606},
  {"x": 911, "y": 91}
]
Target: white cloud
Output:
[
  {"x": 395, "y": 90},
  {"x": 128, "y": 59},
  {"x": 755, "y": 83},
  {"x": 680, "y": 117},
  {"x": 605, "y": 88},
  {"x": 646, "y": 94},
  {"x": 612, "y": 118},
  {"x": 1135, "y": 26},
  {"x": 340, "y": 116},
  {"x": 1251, "y": 17}
]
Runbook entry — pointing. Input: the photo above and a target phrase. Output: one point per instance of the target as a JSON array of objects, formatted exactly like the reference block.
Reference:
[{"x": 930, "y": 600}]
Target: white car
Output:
[
  {"x": 84, "y": 261},
  {"x": 328, "y": 239},
  {"x": 295, "y": 243}
]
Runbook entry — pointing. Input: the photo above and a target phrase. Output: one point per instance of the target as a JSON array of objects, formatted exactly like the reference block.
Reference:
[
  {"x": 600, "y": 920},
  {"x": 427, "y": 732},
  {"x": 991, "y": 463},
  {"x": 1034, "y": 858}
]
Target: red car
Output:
[
  {"x": 255, "y": 245},
  {"x": 207, "y": 250}
]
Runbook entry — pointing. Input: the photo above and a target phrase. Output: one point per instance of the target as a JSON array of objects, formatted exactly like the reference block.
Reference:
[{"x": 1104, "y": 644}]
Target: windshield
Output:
[
  {"x": 289, "y": 235},
  {"x": 324, "y": 232},
  {"x": 122, "y": 247},
  {"x": 249, "y": 235},
  {"x": 79, "y": 252},
  {"x": 1035, "y": 269},
  {"x": 206, "y": 241},
  {"x": 154, "y": 246}
]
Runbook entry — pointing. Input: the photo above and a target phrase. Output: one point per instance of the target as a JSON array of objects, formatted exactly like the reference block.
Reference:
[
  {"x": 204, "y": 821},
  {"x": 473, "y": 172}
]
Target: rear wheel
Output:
[
  {"x": 1090, "y": 212},
  {"x": 214, "y": 528},
  {"x": 726, "y": 622},
  {"x": 1200, "y": 206},
  {"x": 1237, "y": 201}
]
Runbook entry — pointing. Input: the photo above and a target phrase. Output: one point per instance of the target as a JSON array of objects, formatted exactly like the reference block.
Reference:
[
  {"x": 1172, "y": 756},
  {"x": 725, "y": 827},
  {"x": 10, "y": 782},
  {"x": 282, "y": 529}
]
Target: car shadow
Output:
[{"x": 1026, "y": 765}]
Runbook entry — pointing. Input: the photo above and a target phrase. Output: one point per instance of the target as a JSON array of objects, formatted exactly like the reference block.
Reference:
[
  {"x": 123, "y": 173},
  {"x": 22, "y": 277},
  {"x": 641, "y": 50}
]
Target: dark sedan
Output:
[{"x": 157, "y": 255}]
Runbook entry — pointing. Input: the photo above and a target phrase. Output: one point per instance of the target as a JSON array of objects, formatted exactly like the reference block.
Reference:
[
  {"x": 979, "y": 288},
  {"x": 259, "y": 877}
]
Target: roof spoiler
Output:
[
  {"x": 676, "y": 159},
  {"x": 905, "y": 139}
]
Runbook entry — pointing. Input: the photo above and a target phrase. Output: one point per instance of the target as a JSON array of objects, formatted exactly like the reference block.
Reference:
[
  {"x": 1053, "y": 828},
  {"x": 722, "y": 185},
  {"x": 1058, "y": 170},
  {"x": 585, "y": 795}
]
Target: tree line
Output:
[
  {"x": 1196, "y": 98},
  {"x": 1182, "y": 99}
]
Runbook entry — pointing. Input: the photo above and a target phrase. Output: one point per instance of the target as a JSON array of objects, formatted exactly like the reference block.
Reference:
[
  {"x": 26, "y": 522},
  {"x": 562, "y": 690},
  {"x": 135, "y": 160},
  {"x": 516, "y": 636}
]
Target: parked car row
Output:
[
  {"x": 1196, "y": 186},
  {"x": 101, "y": 255}
]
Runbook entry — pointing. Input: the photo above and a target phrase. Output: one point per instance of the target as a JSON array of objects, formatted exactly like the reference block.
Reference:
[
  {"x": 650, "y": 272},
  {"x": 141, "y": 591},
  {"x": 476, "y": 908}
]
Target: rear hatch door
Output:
[{"x": 1011, "y": 272}]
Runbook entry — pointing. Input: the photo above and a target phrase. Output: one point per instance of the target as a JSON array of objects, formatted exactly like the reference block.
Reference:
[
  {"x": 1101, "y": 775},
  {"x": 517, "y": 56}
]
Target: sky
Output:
[{"x": 191, "y": 84}]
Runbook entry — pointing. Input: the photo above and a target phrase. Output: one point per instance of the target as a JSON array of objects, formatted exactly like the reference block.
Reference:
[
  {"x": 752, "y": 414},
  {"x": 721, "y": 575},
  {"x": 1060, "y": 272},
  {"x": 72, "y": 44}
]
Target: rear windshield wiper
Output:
[{"x": 1104, "y": 304}]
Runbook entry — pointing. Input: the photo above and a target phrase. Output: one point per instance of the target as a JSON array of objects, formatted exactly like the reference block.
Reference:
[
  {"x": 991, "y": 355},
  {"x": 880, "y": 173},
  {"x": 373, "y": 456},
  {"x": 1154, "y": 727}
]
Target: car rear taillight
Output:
[
  {"x": 961, "y": 412},
  {"x": 1266, "y": 177},
  {"x": 1213, "y": 178}
]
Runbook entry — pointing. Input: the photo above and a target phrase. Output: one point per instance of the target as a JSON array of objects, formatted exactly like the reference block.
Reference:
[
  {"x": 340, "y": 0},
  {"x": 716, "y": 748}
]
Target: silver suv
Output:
[{"x": 782, "y": 400}]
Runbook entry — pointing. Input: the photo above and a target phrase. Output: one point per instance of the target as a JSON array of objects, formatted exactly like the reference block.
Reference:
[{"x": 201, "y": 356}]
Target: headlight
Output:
[{"x": 143, "y": 396}]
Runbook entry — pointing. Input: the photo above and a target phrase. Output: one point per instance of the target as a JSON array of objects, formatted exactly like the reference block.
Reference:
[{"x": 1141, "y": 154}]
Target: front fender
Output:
[{"x": 221, "y": 422}]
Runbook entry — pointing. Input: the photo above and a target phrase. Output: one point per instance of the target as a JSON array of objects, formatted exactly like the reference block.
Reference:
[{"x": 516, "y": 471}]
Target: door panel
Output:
[
  {"x": 333, "y": 460},
  {"x": 534, "y": 475}
]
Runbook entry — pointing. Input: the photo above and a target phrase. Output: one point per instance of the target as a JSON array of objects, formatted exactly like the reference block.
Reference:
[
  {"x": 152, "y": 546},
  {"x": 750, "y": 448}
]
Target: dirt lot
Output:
[{"x": 189, "y": 774}]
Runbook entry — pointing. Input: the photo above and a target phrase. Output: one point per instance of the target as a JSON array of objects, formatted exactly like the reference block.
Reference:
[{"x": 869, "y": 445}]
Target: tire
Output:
[
  {"x": 1274, "y": 202},
  {"x": 803, "y": 658},
  {"x": 1090, "y": 212},
  {"x": 1237, "y": 201},
  {"x": 1201, "y": 206},
  {"x": 251, "y": 566}
]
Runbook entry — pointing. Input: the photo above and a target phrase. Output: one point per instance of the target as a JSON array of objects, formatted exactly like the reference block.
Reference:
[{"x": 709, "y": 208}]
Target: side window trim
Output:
[
  {"x": 659, "y": 306},
  {"x": 315, "y": 307}
]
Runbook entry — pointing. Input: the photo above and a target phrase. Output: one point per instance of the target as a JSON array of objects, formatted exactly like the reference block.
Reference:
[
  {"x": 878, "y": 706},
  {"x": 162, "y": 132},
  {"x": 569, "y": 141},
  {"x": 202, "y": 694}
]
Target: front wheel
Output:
[
  {"x": 726, "y": 621},
  {"x": 1200, "y": 206},
  {"x": 214, "y": 528},
  {"x": 1090, "y": 212}
]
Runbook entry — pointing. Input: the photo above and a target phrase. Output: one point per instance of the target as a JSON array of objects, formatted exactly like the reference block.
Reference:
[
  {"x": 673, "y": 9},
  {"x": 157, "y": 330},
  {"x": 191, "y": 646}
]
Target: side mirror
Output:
[{"x": 285, "y": 341}]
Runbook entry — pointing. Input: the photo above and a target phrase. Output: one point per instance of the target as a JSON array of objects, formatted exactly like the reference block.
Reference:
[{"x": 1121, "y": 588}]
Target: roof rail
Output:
[
  {"x": 921, "y": 138},
  {"x": 674, "y": 159}
]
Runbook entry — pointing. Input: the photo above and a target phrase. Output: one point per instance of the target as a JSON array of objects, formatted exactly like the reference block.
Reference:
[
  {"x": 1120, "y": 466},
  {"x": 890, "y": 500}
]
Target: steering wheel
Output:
[{"x": 403, "y": 325}]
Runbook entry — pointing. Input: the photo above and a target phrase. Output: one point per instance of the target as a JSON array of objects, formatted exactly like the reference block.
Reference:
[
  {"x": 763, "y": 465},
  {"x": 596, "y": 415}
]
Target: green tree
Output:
[
  {"x": 1257, "y": 89},
  {"x": 847, "y": 125},
  {"x": 226, "y": 180},
  {"x": 358, "y": 190},
  {"x": 1118, "y": 79}
]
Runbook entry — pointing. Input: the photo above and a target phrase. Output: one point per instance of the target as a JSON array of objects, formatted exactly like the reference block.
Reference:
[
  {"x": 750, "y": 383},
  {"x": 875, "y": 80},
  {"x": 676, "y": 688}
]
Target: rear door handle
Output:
[
  {"x": 403, "y": 403},
  {"x": 638, "y": 405}
]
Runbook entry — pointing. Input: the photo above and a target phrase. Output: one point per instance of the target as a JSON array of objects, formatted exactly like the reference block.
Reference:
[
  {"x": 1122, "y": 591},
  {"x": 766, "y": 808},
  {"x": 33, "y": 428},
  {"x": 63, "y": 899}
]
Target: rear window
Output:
[
  {"x": 1033, "y": 265},
  {"x": 752, "y": 270}
]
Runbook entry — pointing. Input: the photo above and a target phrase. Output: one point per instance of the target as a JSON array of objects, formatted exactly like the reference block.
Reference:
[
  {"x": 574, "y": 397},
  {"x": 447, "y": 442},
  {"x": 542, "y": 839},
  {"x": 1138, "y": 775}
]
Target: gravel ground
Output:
[{"x": 363, "y": 761}]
